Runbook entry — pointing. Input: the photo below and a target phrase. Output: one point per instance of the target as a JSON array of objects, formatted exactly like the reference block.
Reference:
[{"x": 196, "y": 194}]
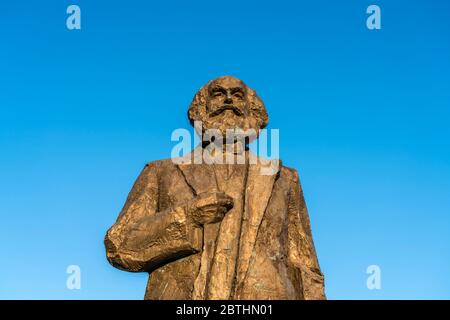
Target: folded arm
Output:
[{"x": 143, "y": 239}]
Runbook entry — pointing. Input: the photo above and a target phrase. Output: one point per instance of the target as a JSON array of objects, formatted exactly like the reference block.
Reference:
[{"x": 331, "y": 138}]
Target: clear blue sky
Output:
[{"x": 363, "y": 115}]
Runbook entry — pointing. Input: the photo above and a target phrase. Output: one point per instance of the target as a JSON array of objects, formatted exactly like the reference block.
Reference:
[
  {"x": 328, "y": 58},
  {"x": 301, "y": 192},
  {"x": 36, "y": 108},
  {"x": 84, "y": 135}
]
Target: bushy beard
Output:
[{"x": 229, "y": 121}]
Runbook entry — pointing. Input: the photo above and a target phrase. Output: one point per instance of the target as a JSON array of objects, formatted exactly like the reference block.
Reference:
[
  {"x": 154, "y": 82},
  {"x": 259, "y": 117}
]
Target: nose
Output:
[{"x": 229, "y": 98}]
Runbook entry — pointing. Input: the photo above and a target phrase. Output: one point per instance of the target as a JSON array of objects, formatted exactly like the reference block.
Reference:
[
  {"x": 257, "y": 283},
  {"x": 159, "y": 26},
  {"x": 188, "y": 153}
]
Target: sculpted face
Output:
[
  {"x": 226, "y": 103},
  {"x": 228, "y": 95}
]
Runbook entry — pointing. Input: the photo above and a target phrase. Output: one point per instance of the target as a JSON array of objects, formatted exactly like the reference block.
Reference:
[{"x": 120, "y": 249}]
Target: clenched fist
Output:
[{"x": 209, "y": 207}]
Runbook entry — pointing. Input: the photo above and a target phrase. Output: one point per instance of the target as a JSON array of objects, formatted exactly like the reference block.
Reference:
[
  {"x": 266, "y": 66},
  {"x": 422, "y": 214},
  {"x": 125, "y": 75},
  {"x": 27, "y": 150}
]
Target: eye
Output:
[
  {"x": 238, "y": 95},
  {"x": 217, "y": 94}
]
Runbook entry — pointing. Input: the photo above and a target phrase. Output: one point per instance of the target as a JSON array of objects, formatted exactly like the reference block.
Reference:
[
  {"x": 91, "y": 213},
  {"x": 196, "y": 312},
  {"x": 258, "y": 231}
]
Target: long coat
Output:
[{"x": 154, "y": 234}]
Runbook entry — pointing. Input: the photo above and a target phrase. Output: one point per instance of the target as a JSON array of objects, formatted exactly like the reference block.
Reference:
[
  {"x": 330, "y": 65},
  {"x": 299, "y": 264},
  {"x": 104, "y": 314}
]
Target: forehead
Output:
[{"x": 226, "y": 82}]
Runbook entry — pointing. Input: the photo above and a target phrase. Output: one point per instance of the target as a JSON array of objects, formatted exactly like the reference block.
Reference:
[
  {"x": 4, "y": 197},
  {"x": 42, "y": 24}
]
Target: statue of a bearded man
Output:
[{"x": 215, "y": 229}]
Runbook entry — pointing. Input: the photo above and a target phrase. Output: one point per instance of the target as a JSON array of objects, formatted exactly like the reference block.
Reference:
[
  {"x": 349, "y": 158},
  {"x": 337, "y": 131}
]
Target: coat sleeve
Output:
[
  {"x": 143, "y": 239},
  {"x": 302, "y": 253}
]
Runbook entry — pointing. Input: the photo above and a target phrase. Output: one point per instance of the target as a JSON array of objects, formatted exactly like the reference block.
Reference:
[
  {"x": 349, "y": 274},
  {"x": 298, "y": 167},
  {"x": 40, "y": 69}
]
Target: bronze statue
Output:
[{"x": 218, "y": 230}]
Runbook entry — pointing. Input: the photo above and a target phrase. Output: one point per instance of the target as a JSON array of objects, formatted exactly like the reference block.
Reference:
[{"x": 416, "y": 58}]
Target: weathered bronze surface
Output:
[{"x": 218, "y": 231}]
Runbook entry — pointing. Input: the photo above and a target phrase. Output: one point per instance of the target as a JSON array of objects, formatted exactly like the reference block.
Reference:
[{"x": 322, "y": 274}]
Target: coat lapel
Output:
[
  {"x": 257, "y": 195},
  {"x": 199, "y": 176}
]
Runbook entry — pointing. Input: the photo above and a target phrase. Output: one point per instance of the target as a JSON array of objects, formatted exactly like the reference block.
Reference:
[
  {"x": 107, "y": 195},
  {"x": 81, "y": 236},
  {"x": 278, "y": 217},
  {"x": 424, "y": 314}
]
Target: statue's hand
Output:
[{"x": 209, "y": 207}]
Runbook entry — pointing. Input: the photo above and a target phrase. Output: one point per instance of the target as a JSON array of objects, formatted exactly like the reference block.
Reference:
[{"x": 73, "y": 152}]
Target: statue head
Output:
[{"x": 227, "y": 103}]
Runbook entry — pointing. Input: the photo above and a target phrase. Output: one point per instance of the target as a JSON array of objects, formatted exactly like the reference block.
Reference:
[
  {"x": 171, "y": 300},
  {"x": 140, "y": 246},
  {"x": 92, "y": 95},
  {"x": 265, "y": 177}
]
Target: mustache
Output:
[{"x": 224, "y": 107}]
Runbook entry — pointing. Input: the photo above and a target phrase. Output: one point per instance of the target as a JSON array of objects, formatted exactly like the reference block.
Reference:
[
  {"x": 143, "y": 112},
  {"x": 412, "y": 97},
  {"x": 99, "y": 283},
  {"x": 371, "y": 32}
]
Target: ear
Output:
[{"x": 257, "y": 108}]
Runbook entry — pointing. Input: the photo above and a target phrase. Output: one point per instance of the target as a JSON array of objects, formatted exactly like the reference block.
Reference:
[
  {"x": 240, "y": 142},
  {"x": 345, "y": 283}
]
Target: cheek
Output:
[
  {"x": 241, "y": 103},
  {"x": 217, "y": 101},
  {"x": 212, "y": 104}
]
